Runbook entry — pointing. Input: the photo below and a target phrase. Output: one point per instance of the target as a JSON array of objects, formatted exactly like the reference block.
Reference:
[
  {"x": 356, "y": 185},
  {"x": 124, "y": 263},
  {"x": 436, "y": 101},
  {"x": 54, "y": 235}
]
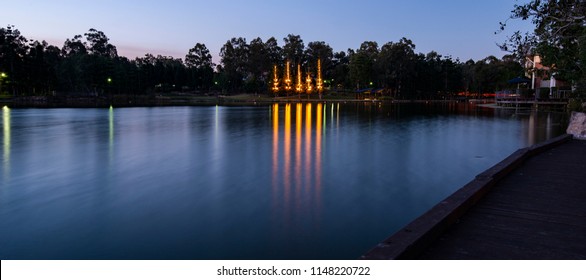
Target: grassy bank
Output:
[{"x": 178, "y": 99}]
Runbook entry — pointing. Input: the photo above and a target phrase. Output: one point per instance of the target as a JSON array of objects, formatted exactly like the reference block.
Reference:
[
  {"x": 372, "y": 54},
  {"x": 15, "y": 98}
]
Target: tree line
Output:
[{"x": 89, "y": 64}]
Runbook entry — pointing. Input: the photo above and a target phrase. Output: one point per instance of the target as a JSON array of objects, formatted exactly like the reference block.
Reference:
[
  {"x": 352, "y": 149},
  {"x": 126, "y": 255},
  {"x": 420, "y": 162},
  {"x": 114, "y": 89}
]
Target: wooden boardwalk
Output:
[{"x": 530, "y": 206}]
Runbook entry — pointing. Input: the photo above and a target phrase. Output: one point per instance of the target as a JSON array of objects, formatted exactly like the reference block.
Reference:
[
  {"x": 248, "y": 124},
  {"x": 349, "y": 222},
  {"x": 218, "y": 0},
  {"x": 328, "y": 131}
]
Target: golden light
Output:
[
  {"x": 319, "y": 81},
  {"x": 308, "y": 143},
  {"x": 318, "y": 146},
  {"x": 275, "y": 116},
  {"x": 298, "y": 142},
  {"x": 308, "y": 86},
  {"x": 287, "y": 153},
  {"x": 287, "y": 77},
  {"x": 275, "y": 79},
  {"x": 299, "y": 85}
]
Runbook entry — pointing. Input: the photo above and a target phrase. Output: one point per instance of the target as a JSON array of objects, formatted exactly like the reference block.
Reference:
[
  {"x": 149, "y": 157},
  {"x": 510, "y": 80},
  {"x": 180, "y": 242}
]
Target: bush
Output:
[{"x": 576, "y": 105}]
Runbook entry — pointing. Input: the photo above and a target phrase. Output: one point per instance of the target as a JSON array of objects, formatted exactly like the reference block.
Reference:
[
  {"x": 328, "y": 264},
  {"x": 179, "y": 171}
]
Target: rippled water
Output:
[{"x": 287, "y": 181}]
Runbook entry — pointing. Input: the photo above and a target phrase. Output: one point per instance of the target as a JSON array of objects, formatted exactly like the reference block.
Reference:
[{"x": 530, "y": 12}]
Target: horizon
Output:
[{"x": 172, "y": 29}]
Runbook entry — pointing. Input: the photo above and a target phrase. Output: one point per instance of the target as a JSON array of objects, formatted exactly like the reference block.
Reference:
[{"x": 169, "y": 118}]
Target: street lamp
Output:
[
  {"x": 2, "y": 77},
  {"x": 109, "y": 88}
]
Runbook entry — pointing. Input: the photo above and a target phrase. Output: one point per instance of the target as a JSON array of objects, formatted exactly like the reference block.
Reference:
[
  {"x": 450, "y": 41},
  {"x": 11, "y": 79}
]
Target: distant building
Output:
[{"x": 543, "y": 78}]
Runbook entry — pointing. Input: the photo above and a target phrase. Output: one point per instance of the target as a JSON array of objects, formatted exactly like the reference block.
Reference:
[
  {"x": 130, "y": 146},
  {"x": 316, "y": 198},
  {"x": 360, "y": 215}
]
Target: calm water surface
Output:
[{"x": 296, "y": 181}]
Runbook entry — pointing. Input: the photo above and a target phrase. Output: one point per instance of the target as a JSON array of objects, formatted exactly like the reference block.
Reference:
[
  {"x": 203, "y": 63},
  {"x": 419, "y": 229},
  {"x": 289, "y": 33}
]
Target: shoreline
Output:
[{"x": 192, "y": 100}]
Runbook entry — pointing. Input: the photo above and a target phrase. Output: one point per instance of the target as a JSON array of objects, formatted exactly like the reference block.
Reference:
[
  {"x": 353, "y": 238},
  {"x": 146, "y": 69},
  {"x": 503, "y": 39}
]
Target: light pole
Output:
[
  {"x": 2, "y": 77},
  {"x": 109, "y": 81}
]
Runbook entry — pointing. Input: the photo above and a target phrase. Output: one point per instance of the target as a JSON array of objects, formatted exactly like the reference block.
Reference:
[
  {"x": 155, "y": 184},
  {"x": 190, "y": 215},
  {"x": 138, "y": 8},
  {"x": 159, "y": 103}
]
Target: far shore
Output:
[{"x": 198, "y": 100}]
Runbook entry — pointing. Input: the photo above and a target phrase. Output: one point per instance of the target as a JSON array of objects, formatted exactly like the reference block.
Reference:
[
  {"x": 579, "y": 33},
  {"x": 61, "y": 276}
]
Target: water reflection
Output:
[
  {"x": 111, "y": 134},
  {"x": 6, "y": 141},
  {"x": 318, "y": 143},
  {"x": 287, "y": 154},
  {"x": 275, "y": 112},
  {"x": 297, "y": 172},
  {"x": 539, "y": 127},
  {"x": 297, "y": 165},
  {"x": 186, "y": 182},
  {"x": 307, "y": 146},
  {"x": 536, "y": 126}
]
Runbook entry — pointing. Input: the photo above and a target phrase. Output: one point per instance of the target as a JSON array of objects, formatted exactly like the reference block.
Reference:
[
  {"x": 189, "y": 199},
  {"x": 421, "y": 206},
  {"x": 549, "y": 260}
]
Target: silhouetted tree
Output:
[
  {"x": 397, "y": 62},
  {"x": 199, "y": 62},
  {"x": 13, "y": 49},
  {"x": 340, "y": 70},
  {"x": 320, "y": 50},
  {"x": 293, "y": 49},
  {"x": 234, "y": 56}
]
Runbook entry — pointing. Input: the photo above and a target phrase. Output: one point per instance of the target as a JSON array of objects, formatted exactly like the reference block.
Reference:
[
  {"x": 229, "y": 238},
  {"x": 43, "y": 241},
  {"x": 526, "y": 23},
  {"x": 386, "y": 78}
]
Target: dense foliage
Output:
[
  {"x": 559, "y": 37},
  {"x": 89, "y": 65}
]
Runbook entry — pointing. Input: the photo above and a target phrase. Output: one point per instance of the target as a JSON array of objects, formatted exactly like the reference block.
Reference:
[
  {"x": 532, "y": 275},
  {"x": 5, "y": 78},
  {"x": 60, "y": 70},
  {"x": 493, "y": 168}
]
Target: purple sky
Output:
[{"x": 461, "y": 28}]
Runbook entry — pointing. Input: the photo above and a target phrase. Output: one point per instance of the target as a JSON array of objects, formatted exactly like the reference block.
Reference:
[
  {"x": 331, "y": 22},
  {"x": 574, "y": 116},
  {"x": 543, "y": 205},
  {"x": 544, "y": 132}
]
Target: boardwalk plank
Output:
[{"x": 538, "y": 211}]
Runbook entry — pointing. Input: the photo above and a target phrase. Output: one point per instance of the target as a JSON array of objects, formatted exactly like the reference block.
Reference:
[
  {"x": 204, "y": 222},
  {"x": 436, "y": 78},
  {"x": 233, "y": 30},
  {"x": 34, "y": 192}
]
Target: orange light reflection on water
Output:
[
  {"x": 307, "y": 146},
  {"x": 275, "y": 116},
  {"x": 298, "y": 124},
  {"x": 297, "y": 165},
  {"x": 287, "y": 158}
]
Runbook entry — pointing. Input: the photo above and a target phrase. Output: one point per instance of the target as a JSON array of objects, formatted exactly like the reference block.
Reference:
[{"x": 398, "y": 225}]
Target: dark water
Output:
[{"x": 298, "y": 181}]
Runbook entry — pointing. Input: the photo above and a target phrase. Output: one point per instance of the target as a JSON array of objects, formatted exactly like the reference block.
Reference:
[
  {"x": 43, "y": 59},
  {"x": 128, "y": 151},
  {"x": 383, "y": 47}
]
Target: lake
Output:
[{"x": 283, "y": 181}]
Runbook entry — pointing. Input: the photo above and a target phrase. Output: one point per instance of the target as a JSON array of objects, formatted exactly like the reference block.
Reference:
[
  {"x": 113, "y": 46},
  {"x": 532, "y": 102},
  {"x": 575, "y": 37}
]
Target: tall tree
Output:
[
  {"x": 362, "y": 64},
  {"x": 293, "y": 49},
  {"x": 234, "y": 56},
  {"x": 369, "y": 48},
  {"x": 258, "y": 66},
  {"x": 99, "y": 44},
  {"x": 199, "y": 57},
  {"x": 340, "y": 70},
  {"x": 88, "y": 66},
  {"x": 360, "y": 69},
  {"x": 258, "y": 60},
  {"x": 274, "y": 52},
  {"x": 40, "y": 63},
  {"x": 320, "y": 50},
  {"x": 559, "y": 36},
  {"x": 13, "y": 49},
  {"x": 199, "y": 62},
  {"x": 74, "y": 46},
  {"x": 397, "y": 61}
]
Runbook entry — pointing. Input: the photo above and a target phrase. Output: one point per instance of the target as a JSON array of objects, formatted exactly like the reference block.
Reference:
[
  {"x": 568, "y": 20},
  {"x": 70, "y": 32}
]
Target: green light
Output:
[
  {"x": 3, "y": 75},
  {"x": 109, "y": 80},
  {"x": 111, "y": 132},
  {"x": 371, "y": 83}
]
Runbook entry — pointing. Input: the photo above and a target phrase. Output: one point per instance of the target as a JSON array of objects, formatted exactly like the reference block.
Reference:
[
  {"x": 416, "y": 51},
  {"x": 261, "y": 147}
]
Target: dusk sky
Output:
[{"x": 463, "y": 29}]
